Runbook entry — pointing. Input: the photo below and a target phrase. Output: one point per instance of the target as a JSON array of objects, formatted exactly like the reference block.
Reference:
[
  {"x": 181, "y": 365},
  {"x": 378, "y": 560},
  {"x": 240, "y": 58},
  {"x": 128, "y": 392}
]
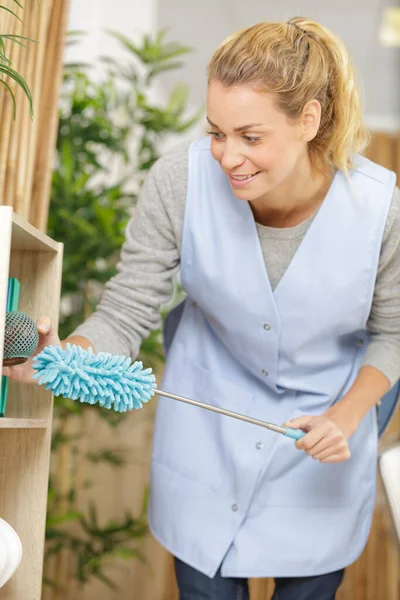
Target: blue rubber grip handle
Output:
[{"x": 296, "y": 434}]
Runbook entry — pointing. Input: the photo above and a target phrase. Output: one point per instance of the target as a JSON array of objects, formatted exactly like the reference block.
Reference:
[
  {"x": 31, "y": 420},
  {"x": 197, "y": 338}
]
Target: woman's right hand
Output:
[{"x": 48, "y": 336}]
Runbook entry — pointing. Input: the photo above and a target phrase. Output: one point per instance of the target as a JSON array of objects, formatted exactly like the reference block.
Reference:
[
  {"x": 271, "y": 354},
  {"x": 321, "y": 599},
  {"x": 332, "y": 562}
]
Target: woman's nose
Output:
[{"x": 230, "y": 157}]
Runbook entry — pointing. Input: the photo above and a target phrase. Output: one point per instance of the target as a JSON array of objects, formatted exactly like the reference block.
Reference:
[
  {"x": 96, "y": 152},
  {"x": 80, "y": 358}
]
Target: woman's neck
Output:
[{"x": 292, "y": 203}]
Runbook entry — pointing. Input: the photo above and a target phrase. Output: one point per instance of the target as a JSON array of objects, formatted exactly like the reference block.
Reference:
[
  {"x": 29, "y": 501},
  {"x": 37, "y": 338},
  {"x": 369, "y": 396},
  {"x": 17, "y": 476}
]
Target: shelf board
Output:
[
  {"x": 26, "y": 237},
  {"x": 9, "y": 423}
]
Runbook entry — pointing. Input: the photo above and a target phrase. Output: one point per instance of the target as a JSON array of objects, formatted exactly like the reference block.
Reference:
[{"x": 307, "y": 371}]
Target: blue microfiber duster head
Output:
[
  {"x": 114, "y": 382},
  {"x": 107, "y": 379}
]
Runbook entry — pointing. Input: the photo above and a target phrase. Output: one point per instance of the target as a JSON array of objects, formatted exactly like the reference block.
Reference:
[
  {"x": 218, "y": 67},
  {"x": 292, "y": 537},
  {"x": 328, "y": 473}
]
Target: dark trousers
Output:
[{"x": 193, "y": 585}]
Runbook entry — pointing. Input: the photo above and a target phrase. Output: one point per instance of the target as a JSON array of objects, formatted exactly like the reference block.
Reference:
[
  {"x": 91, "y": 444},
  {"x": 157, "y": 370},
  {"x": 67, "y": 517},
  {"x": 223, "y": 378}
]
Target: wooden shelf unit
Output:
[{"x": 25, "y": 431}]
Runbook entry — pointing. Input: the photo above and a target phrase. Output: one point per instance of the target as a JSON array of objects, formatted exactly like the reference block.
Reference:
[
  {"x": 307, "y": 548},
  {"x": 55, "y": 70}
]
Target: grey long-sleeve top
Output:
[{"x": 150, "y": 257}]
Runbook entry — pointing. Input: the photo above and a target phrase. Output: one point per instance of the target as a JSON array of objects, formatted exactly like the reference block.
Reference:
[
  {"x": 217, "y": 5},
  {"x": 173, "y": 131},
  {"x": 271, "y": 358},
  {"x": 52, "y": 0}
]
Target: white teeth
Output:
[{"x": 243, "y": 177}]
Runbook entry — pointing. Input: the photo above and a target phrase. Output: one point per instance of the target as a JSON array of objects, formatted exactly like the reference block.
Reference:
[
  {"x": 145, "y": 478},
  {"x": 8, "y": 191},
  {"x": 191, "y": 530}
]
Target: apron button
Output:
[
  {"x": 235, "y": 507},
  {"x": 267, "y": 327},
  {"x": 264, "y": 372},
  {"x": 259, "y": 445}
]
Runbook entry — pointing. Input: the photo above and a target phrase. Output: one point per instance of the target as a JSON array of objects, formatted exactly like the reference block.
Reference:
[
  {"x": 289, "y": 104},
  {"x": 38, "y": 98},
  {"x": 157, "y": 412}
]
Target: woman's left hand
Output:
[{"x": 325, "y": 439}]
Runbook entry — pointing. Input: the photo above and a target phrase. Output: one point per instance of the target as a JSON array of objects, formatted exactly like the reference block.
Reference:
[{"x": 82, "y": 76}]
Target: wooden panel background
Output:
[{"x": 26, "y": 145}]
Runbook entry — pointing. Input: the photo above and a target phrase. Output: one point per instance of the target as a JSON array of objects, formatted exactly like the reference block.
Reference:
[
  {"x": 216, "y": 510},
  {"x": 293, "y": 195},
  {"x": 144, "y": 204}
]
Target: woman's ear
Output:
[{"x": 310, "y": 120}]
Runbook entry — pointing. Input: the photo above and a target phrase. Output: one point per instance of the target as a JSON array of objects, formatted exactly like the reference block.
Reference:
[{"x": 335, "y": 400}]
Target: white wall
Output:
[
  {"x": 204, "y": 24},
  {"x": 130, "y": 17}
]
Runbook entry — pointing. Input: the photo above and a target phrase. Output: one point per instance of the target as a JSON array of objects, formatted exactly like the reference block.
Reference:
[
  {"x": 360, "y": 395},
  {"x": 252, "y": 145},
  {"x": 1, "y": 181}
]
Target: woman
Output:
[{"x": 287, "y": 243}]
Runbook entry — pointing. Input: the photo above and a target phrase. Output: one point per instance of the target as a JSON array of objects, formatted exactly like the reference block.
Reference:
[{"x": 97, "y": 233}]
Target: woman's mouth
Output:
[{"x": 242, "y": 180}]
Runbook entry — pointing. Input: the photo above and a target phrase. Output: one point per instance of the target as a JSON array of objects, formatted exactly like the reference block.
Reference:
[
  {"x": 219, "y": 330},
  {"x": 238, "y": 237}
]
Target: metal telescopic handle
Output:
[{"x": 293, "y": 433}]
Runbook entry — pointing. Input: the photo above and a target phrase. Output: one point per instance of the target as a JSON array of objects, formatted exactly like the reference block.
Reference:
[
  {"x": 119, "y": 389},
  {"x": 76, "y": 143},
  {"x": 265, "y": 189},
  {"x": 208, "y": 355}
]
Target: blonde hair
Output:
[{"x": 299, "y": 61}]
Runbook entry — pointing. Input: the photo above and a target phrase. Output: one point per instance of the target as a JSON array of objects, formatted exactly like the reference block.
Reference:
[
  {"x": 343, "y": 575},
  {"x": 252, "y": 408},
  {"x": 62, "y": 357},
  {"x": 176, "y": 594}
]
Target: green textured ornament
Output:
[{"x": 21, "y": 338}]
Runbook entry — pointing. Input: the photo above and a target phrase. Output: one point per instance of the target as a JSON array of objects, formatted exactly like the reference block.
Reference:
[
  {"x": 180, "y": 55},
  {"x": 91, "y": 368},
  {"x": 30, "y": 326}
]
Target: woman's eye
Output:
[
  {"x": 216, "y": 134},
  {"x": 251, "y": 139}
]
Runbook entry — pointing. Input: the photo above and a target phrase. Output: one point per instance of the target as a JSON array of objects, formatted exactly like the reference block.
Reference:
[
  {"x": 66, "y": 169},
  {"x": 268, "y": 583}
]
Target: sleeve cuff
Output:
[{"x": 103, "y": 337}]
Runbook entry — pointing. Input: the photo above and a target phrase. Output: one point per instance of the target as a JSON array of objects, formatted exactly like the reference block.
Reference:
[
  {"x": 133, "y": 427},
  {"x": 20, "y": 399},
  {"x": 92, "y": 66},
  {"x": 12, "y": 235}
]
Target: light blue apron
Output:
[{"x": 224, "y": 491}]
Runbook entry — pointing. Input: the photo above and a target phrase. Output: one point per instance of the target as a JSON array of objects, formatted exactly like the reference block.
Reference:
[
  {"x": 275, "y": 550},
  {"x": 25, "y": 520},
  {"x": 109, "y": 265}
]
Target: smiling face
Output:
[{"x": 258, "y": 147}]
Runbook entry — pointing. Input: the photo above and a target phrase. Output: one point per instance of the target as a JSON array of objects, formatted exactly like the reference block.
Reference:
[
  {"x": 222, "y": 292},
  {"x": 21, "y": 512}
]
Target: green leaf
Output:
[
  {"x": 11, "y": 12},
  {"x": 74, "y": 67},
  {"x": 6, "y": 70},
  {"x": 151, "y": 52},
  {"x": 93, "y": 516},
  {"x": 16, "y": 39},
  {"x": 12, "y": 97},
  {"x": 162, "y": 68},
  {"x": 52, "y": 584},
  {"x": 106, "y": 580},
  {"x": 178, "y": 98},
  {"x": 125, "y": 41},
  {"x": 113, "y": 457},
  {"x": 78, "y": 32},
  {"x": 56, "y": 534},
  {"x": 161, "y": 35},
  {"x": 64, "y": 518},
  {"x": 4, "y": 59}
]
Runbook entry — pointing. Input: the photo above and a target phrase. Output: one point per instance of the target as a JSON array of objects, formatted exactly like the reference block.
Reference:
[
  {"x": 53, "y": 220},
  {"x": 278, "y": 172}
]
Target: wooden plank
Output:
[
  {"x": 6, "y": 423},
  {"x": 26, "y": 237},
  {"x": 48, "y": 118}
]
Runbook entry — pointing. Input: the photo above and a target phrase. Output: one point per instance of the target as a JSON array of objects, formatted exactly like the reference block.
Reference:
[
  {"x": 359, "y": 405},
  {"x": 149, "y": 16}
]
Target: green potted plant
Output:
[{"x": 89, "y": 210}]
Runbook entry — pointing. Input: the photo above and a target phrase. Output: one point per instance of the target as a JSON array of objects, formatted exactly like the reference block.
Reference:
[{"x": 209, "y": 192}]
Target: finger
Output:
[
  {"x": 299, "y": 422},
  {"x": 338, "y": 457},
  {"x": 48, "y": 335},
  {"x": 15, "y": 372},
  {"x": 43, "y": 325},
  {"x": 331, "y": 450},
  {"x": 323, "y": 446},
  {"x": 333, "y": 440},
  {"x": 314, "y": 437}
]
